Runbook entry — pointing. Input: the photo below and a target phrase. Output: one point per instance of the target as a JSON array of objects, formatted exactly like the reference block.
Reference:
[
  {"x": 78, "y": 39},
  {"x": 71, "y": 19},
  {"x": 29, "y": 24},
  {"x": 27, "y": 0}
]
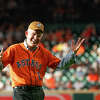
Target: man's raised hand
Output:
[{"x": 76, "y": 46}]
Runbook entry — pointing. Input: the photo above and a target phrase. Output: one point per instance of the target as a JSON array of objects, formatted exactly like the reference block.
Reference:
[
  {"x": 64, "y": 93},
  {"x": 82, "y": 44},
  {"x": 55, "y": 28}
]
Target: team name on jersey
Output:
[{"x": 28, "y": 62}]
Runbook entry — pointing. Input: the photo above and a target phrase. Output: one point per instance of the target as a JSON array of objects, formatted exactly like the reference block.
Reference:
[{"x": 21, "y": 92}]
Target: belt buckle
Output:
[{"x": 25, "y": 87}]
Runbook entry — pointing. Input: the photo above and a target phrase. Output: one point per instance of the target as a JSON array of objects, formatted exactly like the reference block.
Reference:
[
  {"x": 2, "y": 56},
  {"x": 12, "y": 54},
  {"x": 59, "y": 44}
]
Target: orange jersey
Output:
[{"x": 28, "y": 67}]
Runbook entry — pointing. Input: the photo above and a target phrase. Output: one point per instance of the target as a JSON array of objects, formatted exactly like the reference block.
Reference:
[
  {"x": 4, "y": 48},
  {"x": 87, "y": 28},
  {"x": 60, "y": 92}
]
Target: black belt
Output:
[{"x": 28, "y": 87}]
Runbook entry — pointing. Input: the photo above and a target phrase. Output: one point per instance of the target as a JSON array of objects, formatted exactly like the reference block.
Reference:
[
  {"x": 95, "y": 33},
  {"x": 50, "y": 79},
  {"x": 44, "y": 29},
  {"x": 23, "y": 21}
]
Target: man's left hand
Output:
[{"x": 76, "y": 46}]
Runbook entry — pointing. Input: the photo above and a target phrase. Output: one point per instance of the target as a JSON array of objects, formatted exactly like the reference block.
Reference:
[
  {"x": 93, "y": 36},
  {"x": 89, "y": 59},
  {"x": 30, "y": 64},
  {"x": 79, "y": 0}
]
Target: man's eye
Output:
[{"x": 38, "y": 35}]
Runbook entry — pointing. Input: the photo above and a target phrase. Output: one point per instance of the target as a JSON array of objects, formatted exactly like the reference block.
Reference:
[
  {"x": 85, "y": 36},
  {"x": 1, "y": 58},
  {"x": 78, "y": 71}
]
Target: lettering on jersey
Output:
[
  {"x": 23, "y": 63},
  {"x": 18, "y": 64},
  {"x": 27, "y": 62},
  {"x": 32, "y": 63}
]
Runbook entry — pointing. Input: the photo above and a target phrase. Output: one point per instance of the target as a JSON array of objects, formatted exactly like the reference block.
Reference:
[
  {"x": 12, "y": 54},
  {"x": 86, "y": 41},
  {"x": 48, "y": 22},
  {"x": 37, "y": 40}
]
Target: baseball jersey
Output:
[{"x": 28, "y": 67}]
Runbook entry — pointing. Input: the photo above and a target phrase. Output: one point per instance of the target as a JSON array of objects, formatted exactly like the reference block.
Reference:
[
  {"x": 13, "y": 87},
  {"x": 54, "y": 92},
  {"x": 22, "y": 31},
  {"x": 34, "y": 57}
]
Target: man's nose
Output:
[{"x": 35, "y": 37}]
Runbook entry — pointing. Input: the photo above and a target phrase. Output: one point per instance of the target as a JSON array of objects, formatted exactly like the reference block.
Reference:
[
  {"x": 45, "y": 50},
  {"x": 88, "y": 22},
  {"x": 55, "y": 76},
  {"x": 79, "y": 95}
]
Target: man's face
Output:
[{"x": 33, "y": 37}]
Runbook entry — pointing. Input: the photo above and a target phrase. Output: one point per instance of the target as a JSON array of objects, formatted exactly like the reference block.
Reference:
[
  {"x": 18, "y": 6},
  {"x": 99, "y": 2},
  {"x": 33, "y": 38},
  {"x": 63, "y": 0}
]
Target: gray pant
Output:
[{"x": 28, "y": 93}]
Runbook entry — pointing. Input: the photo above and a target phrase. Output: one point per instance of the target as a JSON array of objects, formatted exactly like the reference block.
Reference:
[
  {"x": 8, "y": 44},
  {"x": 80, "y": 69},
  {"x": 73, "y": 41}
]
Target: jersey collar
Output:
[{"x": 25, "y": 44}]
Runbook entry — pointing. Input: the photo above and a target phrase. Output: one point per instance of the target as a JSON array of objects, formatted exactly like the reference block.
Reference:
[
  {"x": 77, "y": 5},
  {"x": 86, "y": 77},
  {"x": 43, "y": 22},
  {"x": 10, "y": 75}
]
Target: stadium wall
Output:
[{"x": 61, "y": 95}]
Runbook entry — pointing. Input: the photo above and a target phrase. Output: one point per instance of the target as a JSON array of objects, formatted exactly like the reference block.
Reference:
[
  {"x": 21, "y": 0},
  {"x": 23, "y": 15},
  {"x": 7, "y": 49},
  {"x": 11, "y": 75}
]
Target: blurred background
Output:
[{"x": 64, "y": 21}]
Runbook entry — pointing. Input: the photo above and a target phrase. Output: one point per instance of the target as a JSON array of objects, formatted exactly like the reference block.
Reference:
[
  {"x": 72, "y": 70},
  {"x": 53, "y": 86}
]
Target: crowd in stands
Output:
[
  {"x": 49, "y": 10},
  {"x": 84, "y": 74}
]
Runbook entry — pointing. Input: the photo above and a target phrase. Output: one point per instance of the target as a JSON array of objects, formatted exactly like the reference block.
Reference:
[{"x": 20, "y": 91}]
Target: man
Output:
[{"x": 28, "y": 62}]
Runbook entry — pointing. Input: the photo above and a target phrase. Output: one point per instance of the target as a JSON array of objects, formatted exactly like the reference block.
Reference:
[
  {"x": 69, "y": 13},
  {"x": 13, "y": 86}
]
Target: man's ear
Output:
[{"x": 26, "y": 33}]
